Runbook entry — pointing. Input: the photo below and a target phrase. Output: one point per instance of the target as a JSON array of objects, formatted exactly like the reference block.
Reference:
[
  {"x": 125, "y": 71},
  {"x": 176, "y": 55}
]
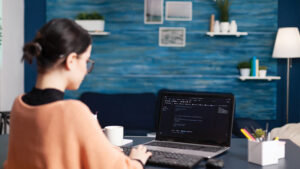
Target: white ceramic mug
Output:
[{"x": 114, "y": 134}]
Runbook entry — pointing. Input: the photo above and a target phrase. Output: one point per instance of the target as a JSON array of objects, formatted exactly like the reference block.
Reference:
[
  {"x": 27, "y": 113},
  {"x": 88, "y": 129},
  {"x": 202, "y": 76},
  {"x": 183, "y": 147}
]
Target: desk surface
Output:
[{"x": 235, "y": 158}]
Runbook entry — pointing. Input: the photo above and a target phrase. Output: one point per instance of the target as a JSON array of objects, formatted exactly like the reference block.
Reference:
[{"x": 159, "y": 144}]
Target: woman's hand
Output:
[
  {"x": 140, "y": 153},
  {"x": 118, "y": 148}
]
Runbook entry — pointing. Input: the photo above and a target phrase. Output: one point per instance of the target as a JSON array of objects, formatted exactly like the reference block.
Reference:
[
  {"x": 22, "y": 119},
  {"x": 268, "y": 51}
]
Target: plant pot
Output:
[
  {"x": 224, "y": 27},
  {"x": 91, "y": 25},
  {"x": 262, "y": 73},
  {"x": 245, "y": 72}
]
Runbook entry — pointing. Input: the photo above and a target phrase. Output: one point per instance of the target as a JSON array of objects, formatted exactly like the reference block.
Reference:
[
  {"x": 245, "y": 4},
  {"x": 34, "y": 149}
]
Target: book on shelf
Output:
[
  {"x": 257, "y": 68},
  {"x": 254, "y": 66}
]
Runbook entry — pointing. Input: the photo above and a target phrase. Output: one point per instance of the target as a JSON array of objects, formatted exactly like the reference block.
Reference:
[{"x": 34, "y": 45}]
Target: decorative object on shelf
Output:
[
  {"x": 233, "y": 27},
  {"x": 172, "y": 36},
  {"x": 153, "y": 11},
  {"x": 179, "y": 10},
  {"x": 212, "y": 22},
  {"x": 92, "y": 22},
  {"x": 223, "y": 7},
  {"x": 244, "y": 68},
  {"x": 224, "y": 27},
  {"x": 216, "y": 27},
  {"x": 287, "y": 45},
  {"x": 263, "y": 71}
]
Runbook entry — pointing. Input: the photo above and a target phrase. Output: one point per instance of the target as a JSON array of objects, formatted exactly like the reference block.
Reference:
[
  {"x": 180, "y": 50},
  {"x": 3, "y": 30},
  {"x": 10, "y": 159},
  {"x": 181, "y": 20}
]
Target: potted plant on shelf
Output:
[
  {"x": 263, "y": 71},
  {"x": 223, "y": 7},
  {"x": 244, "y": 68},
  {"x": 92, "y": 22}
]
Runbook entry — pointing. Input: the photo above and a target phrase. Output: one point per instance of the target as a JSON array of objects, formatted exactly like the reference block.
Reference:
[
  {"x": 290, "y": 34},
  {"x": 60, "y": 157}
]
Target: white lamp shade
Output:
[{"x": 287, "y": 44}]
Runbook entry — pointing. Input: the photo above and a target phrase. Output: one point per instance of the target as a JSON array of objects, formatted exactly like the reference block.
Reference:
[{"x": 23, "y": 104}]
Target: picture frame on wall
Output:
[
  {"x": 179, "y": 10},
  {"x": 172, "y": 36},
  {"x": 153, "y": 11}
]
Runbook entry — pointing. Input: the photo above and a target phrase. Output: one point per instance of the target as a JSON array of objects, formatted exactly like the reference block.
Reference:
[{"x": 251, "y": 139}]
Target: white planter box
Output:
[
  {"x": 245, "y": 72},
  {"x": 263, "y": 153},
  {"x": 91, "y": 25},
  {"x": 224, "y": 27},
  {"x": 266, "y": 152},
  {"x": 262, "y": 73}
]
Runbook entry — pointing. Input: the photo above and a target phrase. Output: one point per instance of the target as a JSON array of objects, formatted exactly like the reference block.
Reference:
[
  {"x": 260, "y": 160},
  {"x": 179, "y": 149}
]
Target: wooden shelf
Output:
[
  {"x": 269, "y": 78},
  {"x": 99, "y": 33},
  {"x": 237, "y": 34}
]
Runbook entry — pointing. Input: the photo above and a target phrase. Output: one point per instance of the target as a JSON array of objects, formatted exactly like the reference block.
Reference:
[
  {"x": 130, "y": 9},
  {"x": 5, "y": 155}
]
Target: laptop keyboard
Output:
[
  {"x": 184, "y": 146},
  {"x": 170, "y": 159}
]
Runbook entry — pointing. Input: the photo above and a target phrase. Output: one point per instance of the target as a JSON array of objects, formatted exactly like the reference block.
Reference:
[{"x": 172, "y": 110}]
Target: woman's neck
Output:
[{"x": 54, "y": 80}]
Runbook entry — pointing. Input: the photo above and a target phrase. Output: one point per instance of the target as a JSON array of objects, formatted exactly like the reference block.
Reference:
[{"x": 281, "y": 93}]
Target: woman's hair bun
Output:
[{"x": 31, "y": 50}]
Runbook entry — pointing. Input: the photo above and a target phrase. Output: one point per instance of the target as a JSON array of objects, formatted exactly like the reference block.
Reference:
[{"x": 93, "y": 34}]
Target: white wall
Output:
[{"x": 12, "y": 70}]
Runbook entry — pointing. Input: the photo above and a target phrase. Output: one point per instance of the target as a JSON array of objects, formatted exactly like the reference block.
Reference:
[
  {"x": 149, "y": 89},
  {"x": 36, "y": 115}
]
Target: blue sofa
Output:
[{"x": 136, "y": 112}]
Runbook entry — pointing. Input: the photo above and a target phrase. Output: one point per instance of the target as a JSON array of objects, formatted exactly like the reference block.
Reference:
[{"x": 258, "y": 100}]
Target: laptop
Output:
[{"x": 194, "y": 123}]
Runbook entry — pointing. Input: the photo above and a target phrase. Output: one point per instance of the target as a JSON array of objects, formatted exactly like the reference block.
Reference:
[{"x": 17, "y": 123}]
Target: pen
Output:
[
  {"x": 269, "y": 136},
  {"x": 266, "y": 132},
  {"x": 252, "y": 128},
  {"x": 250, "y": 135},
  {"x": 247, "y": 135},
  {"x": 253, "y": 131}
]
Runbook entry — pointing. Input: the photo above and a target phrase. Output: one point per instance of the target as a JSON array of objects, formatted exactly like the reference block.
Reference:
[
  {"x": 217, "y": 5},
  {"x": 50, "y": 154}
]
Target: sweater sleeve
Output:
[
  {"x": 4, "y": 164},
  {"x": 95, "y": 150}
]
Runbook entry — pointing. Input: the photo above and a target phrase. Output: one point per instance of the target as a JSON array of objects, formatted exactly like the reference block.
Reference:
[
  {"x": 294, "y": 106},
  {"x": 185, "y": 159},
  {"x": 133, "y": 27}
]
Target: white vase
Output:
[
  {"x": 245, "y": 72},
  {"x": 233, "y": 27},
  {"x": 224, "y": 27},
  {"x": 217, "y": 26},
  {"x": 262, "y": 73},
  {"x": 91, "y": 25}
]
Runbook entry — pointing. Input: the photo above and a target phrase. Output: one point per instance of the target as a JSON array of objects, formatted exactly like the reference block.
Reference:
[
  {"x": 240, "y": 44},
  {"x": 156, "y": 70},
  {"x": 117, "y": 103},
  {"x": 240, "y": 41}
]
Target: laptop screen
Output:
[{"x": 201, "y": 118}]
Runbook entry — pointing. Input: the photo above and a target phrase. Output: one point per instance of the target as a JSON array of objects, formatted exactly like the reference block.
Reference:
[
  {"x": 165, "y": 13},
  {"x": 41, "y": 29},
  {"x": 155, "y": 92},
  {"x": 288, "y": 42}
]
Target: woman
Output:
[{"x": 49, "y": 132}]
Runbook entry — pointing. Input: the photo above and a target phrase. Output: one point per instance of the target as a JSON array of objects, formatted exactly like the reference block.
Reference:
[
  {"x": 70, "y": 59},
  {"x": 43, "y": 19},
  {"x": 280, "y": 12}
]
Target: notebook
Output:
[{"x": 194, "y": 123}]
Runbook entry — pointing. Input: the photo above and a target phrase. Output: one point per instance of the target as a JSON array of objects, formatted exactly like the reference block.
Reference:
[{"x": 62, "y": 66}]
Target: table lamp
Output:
[{"x": 287, "y": 45}]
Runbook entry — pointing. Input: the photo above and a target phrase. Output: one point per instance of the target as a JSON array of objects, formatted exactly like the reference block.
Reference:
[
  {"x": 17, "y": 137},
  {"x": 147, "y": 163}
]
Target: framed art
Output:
[
  {"x": 172, "y": 36},
  {"x": 153, "y": 11},
  {"x": 179, "y": 10}
]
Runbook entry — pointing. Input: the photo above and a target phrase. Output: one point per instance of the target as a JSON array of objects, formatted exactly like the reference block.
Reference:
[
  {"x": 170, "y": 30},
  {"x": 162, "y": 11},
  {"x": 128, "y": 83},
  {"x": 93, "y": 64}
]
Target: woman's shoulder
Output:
[
  {"x": 65, "y": 104},
  {"x": 73, "y": 102},
  {"x": 75, "y": 105}
]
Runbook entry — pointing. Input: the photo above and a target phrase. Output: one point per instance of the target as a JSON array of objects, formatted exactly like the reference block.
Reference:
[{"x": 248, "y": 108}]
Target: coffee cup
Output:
[{"x": 114, "y": 134}]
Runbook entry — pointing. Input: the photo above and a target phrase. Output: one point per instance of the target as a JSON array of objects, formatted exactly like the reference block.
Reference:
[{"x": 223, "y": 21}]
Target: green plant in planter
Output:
[
  {"x": 259, "y": 133},
  {"x": 223, "y": 7},
  {"x": 263, "y": 67},
  {"x": 89, "y": 16},
  {"x": 244, "y": 65}
]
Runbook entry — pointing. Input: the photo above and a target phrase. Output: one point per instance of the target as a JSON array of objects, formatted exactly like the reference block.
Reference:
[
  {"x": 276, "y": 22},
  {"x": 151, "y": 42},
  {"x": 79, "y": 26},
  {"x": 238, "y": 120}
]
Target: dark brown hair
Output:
[{"x": 55, "y": 40}]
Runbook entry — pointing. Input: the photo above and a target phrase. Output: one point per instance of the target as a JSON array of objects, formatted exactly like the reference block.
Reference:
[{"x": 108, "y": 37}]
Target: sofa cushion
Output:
[{"x": 289, "y": 131}]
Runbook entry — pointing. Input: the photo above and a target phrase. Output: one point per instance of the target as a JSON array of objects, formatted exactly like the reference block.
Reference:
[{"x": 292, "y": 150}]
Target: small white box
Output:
[
  {"x": 281, "y": 149},
  {"x": 263, "y": 153}
]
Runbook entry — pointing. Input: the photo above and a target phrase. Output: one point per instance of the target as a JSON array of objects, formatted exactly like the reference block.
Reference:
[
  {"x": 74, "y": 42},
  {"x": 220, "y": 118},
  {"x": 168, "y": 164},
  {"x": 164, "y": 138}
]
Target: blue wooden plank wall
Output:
[{"x": 130, "y": 60}]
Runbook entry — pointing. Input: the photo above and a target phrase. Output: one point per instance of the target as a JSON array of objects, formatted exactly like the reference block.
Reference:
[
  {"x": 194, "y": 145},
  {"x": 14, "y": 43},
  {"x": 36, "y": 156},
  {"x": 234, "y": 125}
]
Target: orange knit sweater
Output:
[{"x": 60, "y": 135}]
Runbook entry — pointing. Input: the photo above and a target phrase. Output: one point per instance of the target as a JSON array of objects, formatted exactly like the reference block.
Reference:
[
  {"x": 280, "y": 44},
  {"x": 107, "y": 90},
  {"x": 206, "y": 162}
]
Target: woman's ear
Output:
[{"x": 71, "y": 61}]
